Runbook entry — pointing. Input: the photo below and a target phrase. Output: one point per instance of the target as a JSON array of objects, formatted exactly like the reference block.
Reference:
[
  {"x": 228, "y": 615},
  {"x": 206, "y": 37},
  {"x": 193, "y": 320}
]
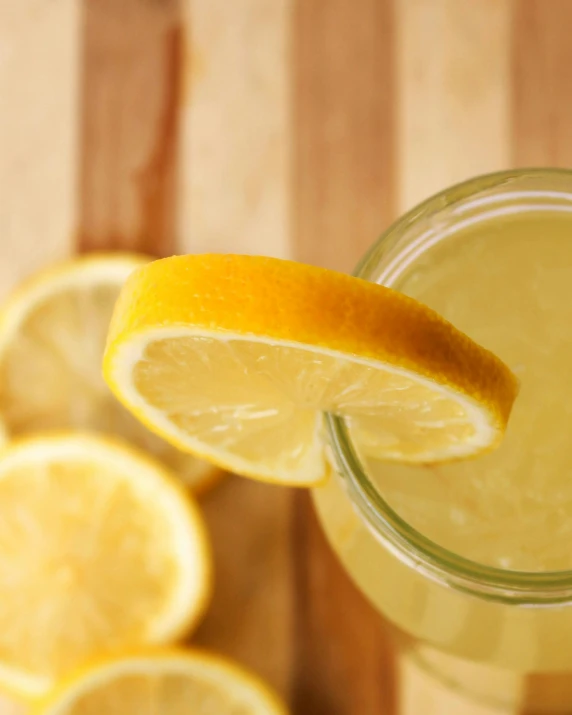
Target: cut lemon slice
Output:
[
  {"x": 173, "y": 682},
  {"x": 52, "y": 336},
  {"x": 234, "y": 358},
  {"x": 100, "y": 549}
]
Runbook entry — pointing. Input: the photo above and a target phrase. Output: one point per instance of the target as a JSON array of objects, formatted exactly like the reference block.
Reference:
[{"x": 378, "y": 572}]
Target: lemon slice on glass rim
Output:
[{"x": 235, "y": 358}]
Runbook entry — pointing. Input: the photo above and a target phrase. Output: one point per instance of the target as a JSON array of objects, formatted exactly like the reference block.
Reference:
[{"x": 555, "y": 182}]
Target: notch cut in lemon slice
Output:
[
  {"x": 100, "y": 549},
  {"x": 52, "y": 336},
  {"x": 170, "y": 682},
  {"x": 235, "y": 358}
]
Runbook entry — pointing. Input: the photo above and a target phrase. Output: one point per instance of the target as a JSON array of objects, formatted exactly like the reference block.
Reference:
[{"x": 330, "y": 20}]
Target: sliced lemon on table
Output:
[
  {"x": 235, "y": 358},
  {"x": 170, "y": 682},
  {"x": 100, "y": 549},
  {"x": 52, "y": 336}
]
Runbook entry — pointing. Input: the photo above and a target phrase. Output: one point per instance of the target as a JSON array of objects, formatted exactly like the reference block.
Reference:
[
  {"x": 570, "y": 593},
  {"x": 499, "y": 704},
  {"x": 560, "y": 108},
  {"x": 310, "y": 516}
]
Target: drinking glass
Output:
[{"x": 469, "y": 561}]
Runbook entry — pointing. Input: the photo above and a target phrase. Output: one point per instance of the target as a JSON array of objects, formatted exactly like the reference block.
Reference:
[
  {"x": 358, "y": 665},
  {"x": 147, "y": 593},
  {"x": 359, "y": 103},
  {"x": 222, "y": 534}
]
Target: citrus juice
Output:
[{"x": 498, "y": 264}]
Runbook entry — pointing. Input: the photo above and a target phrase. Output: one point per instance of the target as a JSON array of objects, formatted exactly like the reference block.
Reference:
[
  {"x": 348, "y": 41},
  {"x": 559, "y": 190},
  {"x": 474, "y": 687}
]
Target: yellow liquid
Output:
[{"x": 507, "y": 283}]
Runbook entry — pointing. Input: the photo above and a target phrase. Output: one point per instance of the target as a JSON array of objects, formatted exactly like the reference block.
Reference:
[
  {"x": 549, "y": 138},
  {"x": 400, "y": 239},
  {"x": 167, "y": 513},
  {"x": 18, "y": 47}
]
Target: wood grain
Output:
[
  {"x": 454, "y": 113},
  {"x": 236, "y": 140},
  {"x": 343, "y": 163},
  {"x": 234, "y": 196},
  {"x": 344, "y": 660},
  {"x": 135, "y": 119},
  {"x": 39, "y": 74},
  {"x": 541, "y": 87},
  {"x": 130, "y": 88},
  {"x": 251, "y": 616},
  {"x": 453, "y": 75},
  {"x": 343, "y": 127},
  {"x": 541, "y": 92},
  {"x": 39, "y": 81}
]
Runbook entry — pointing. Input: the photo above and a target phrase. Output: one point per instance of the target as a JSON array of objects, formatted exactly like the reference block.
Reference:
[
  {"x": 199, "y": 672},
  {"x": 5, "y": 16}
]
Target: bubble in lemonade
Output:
[{"x": 505, "y": 278}]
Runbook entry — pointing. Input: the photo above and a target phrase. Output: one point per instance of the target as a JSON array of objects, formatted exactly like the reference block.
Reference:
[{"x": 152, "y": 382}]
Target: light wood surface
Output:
[
  {"x": 295, "y": 128},
  {"x": 39, "y": 83},
  {"x": 453, "y": 104}
]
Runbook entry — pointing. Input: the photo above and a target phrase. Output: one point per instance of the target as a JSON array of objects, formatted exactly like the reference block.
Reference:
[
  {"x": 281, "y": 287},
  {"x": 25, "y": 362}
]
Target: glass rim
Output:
[{"x": 407, "y": 543}]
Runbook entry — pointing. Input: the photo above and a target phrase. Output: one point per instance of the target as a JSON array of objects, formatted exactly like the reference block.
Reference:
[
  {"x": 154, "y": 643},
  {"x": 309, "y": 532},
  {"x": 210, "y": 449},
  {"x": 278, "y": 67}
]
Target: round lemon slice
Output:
[
  {"x": 100, "y": 549},
  {"x": 52, "y": 336},
  {"x": 171, "y": 682},
  {"x": 234, "y": 358}
]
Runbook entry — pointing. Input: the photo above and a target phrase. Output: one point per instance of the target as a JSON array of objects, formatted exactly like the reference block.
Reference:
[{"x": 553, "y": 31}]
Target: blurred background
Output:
[{"x": 292, "y": 128}]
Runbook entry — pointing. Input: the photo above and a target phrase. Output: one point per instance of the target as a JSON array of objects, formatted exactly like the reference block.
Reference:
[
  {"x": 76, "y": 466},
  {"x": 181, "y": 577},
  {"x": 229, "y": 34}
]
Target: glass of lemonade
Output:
[{"x": 472, "y": 561}]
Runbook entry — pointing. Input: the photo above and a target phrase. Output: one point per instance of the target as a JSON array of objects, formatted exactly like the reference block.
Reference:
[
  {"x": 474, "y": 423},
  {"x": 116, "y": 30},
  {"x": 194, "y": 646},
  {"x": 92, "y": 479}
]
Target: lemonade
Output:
[{"x": 459, "y": 556}]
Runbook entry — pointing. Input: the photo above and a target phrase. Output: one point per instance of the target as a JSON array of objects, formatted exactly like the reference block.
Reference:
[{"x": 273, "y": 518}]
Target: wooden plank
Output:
[
  {"x": 344, "y": 660},
  {"x": 39, "y": 67},
  {"x": 342, "y": 183},
  {"x": 542, "y": 136},
  {"x": 130, "y": 110},
  {"x": 235, "y": 147},
  {"x": 542, "y": 84},
  {"x": 453, "y": 70},
  {"x": 251, "y": 616},
  {"x": 454, "y": 114},
  {"x": 235, "y": 197},
  {"x": 343, "y": 125}
]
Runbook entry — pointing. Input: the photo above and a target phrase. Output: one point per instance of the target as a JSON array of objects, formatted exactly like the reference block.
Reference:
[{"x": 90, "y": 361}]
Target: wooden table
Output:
[{"x": 295, "y": 128}]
